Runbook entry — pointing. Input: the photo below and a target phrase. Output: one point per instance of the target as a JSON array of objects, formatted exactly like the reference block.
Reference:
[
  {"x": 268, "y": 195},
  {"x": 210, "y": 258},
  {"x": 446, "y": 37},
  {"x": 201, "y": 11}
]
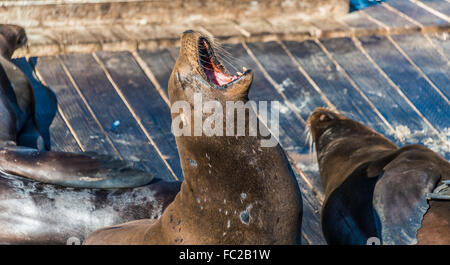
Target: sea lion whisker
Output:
[{"x": 212, "y": 67}]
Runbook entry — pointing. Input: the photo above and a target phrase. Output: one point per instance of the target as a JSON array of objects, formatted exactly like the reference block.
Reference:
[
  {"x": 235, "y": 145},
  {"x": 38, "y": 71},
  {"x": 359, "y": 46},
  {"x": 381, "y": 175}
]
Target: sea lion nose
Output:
[{"x": 189, "y": 31}]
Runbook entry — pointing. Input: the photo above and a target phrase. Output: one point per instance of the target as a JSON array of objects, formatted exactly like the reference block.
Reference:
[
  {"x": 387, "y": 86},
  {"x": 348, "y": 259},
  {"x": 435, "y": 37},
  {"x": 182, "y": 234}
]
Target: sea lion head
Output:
[
  {"x": 327, "y": 126},
  {"x": 12, "y": 37},
  {"x": 199, "y": 70},
  {"x": 342, "y": 144}
]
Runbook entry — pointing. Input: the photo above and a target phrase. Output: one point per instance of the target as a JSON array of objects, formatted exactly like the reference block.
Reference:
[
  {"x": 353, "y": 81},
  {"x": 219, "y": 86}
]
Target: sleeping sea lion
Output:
[
  {"x": 376, "y": 190},
  {"x": 34, "y": 212},
  {"x": 17, "y": 106},
  {"x": 234, "y": 191}
]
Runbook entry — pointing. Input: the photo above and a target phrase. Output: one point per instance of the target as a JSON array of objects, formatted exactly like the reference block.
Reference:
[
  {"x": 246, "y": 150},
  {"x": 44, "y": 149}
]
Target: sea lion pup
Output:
[
  {"x": 234, "y": 191},
  {"x": 17, "y": 106},
  {"x": 375, "y": 189}
]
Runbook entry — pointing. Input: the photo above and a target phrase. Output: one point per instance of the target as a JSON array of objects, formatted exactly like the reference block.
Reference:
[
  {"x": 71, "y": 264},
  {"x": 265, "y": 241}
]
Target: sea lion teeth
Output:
[
  {"x": 374, "y": 189},
  {"x": 270, "y": 210}
]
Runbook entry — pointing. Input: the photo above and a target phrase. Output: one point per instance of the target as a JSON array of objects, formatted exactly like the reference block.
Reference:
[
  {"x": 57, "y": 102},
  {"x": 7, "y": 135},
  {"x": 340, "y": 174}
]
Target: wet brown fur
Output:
[
  {"x": 343, "y": 145},
  {"x": 209, "y": 207}
]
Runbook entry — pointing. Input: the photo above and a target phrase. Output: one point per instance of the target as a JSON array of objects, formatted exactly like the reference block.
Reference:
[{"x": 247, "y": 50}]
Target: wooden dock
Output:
[{"x": 386, "y": 66}]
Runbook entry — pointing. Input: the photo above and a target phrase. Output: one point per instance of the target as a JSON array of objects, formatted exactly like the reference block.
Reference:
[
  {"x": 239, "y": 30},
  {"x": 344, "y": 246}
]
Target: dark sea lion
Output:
[
  {"x": 17, "y": 106},
  {"x": 234, "y": 191},
  {"x": 375, "y": 189},
  {"x": 35, "y": 212},
  {"x": 17, "y": 99},
  {"x": 12, "y": 37}
]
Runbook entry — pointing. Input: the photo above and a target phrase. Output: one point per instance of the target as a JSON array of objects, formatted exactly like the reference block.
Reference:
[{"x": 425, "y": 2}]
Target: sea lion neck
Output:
[{"x": 229, "y": 146}]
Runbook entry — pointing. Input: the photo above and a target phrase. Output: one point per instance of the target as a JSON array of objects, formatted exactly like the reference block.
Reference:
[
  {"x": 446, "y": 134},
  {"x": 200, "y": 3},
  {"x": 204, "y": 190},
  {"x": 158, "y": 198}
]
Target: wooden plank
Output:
[
  {"x": 335, "y": 86},
  {"x": 412, "y": 84},
  {"x": 259, "y": 29},
  {"x": 288, "y": 27},
  {"x": 76, "y": 39},
  {"x": 113, "y": 115},
  {"x": 311, "y": 226},
  {"x": 145, "y": 101},
  {"x": 408, "y": 124},
  {"x": 161, "y": 64},
  {"x": 224, "y": 31},
  {"x": 330, "y": 28},
  {"x": 72, "y": 107},
  {"x": 441, "y": 6},
  {"x": 114, "y": 37},
  {"x": 427, "y": 58},
  {"x": 360, "y": 25},
  {"x": 441, "y": 41},
  {"x": 291, "y": 82},
  {"x": 53, "y": 129},
  {"x": 175, "y": 52},
  {"x": 42, "y": 41},
  {"x": 61, "y": 137},
  {"x": 393, "y": 21},
  {"x": 418, "y": 14}
]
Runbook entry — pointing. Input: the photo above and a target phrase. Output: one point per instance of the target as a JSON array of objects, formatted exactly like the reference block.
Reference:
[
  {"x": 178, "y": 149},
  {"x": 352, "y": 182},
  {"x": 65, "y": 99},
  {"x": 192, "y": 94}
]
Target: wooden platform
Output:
[{"x": 395, "y": 81}]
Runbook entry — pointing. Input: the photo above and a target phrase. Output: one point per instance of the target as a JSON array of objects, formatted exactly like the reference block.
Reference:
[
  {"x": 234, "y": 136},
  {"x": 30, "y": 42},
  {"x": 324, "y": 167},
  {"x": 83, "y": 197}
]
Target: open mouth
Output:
[{"x": 214, "y": 70}]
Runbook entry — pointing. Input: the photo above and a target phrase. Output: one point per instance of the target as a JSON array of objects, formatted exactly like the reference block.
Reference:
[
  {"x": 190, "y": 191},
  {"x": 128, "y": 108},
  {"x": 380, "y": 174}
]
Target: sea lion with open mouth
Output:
[
  {"x": 375, "y": 190},
  {"x": 86, "y": 194},
  {"x": 234, "y": 191}
]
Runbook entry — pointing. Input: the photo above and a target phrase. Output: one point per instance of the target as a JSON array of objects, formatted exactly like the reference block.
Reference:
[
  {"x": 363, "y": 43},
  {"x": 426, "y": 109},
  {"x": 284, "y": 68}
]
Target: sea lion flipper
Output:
[
  {"x": 400, "y": 194},
  {"x": 86, "y": 170},
  {"x": 442, "y": 192}
]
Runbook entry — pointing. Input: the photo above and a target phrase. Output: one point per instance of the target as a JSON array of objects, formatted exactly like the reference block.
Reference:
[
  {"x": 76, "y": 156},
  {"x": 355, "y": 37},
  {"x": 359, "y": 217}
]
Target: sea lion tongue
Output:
[{"x": 213, "y": 71}]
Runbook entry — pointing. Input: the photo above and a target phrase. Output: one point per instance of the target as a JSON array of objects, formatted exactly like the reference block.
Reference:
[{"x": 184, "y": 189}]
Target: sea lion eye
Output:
[{"x": 21, "y": 40}]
